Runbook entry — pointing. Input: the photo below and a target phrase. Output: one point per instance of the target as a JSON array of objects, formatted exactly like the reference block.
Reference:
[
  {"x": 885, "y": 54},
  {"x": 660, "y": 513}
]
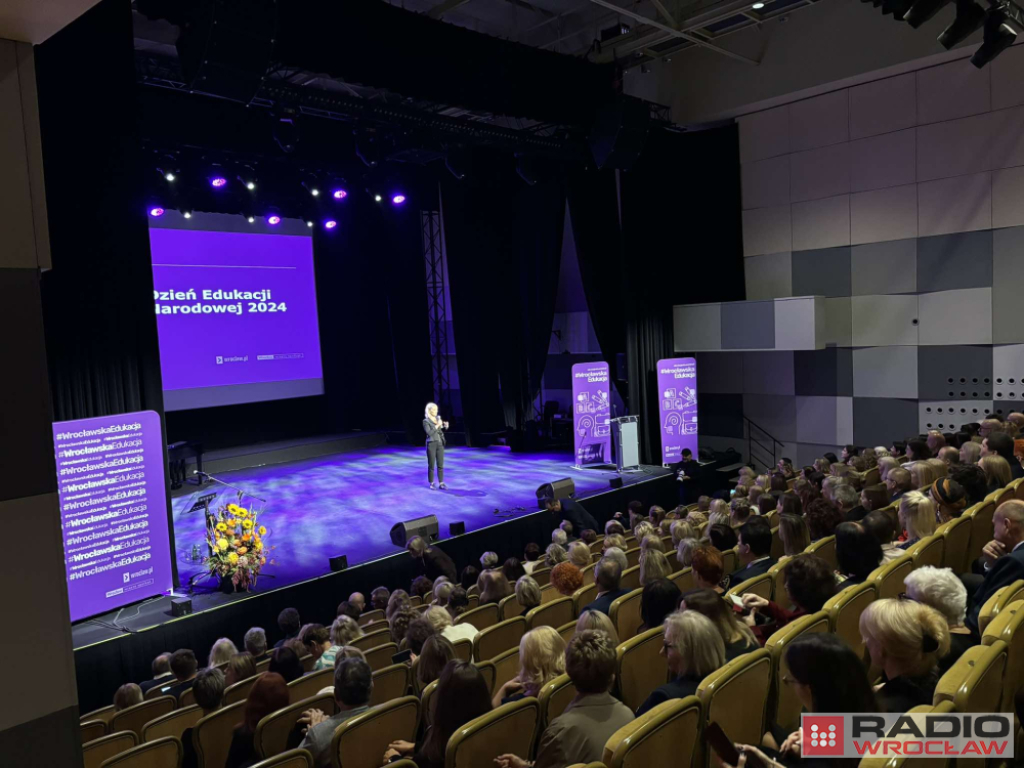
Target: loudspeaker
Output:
[
  {"x": 181, "y": 607},
  {"x": 619, "y": 132},
  {"x": 615, "y": 482},
  {"x": 339, "y": 563},
  {"x": 559, "y": 489},
  {"x": 456, "y": 529},
  {"x": 421, "y": 526}
]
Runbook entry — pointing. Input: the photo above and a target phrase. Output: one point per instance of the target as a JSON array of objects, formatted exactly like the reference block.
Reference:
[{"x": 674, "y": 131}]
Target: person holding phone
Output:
[{"x": 434, "y": 426}]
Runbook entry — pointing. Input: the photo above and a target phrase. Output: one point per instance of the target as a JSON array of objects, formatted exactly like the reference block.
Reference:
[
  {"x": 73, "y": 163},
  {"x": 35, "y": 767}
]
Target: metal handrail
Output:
[{"x": 752, "y": 441}]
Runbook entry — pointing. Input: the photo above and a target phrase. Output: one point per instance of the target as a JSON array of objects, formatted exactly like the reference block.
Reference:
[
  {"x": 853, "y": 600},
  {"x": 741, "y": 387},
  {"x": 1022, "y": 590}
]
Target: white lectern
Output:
[{"x": 626, "y": 432}]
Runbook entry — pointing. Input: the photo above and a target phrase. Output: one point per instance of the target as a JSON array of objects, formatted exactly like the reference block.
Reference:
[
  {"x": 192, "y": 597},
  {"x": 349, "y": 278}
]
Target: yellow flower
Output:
[
  {"x": 243, "y": 512},
  {"x": 221, "y": 527},
  {"x": 263, "y": 561},
  {"x": 233, "y": 509},
  {"x": 263, "y": 531},
  {"x": 222, "y": 544},
  {"x": 233, "y": 558},
  {"x": 259, "y": 546},
  {"x": 242, "y": 550},
  {"x": 232, "y": 522},
  {"x": 247, "y": 524}
]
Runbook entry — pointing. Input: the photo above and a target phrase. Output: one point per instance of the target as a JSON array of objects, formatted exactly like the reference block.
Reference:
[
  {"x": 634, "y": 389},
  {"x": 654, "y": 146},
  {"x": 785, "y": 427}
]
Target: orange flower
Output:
[
  {"x": 242, "y": 550},
  {"x": 246, "y": 537}
]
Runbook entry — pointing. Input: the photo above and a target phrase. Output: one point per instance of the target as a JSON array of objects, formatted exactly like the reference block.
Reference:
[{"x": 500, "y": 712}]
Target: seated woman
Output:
[
  {"x": 580, "y": 555},
  {"x": 240, "y": 667},
  {"x": 858, "y": 553},
  {"x": 221, "y": 652},
  {"x": 950, "y": 499},
  {"x": 658, "y": 599},
  {"x": 922, "y": 475},
  {"x": 269, "y": 693},
  {"x": 708, "y": 569},
  {"x": 794, "y": 534},
  {"x": 527, "y": 593},
  {"x": 541, "y": 659},
  {"x": 942, "y": 590},
  {"x": 461, "y": 696},
  {"x": 598, "y": 620},
  {"x": 789, "y": 504},
  {"x": 493, "y": 586},
  {"x": 441, "y": 620},
  {"x": 874, "y": 497},
  {"x": 682, "y": 529},
  {"x": 554, "y": 555},
  {"x": 653, "y": 566},
  {"x": 822, "y": 519},
  {"x": 566, "y": 578},
  {"x": 684, "y": 551},
  {"x": 722, "y": 536},
  {"x": 809, "y": 582},
  {"x": 766, "y": 504},
  {"x": 737, "y": 636},
  {"x": 997, "y": 472},
  {"x": 128, "y": 695},
  {"x": 905, "y": 639},
  {"x": 917, "y": 516},
  {"x": 694, "y": 649},
  {"x": 435, "y": 654},
  {"x": 514, "y": 570},
  {"x": 285, "y": 662}
]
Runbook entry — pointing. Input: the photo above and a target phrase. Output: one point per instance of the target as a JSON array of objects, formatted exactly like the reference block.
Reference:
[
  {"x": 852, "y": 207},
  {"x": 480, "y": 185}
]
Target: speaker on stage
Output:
[
  {"x": 421, "y": 526},
  {"x": 559, "y": 489}
]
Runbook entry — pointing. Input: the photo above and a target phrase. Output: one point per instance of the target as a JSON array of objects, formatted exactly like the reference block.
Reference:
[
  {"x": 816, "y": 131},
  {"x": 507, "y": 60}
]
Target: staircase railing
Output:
[{"x": 762, "y": 447}]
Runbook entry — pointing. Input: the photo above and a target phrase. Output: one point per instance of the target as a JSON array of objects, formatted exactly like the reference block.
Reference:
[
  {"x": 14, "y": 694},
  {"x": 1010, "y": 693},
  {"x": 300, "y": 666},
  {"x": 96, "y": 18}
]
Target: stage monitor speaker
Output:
[
  {"x": 619, "y": 132},
  {"x": 615, "y": 482},
  {"x": 181, "y": 607},
  {"x": 421, "y": 526},
  {"x": 456, "y": 529},
  {"x": 339, "y": 563},
  {"x": 559, "y": 489}
]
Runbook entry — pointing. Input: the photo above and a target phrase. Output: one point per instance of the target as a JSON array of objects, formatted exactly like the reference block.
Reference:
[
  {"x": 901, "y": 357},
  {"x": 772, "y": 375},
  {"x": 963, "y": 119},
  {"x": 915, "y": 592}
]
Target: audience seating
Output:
[
  {"x": 133, "y": 718},
  {"x": 666, "y": 735},
  {"x": 871, "y": 477},
  {"x": 640, "y": 667},
  {"x": 463, "y": 649},
  {"x": 391, "y": 682},
  {"x": 625, "y": 614},
  {"x": 684, "y": 579},
  {"x": 240, "y": 690},
  {"x": 778, "y": 548},
  {"x": 310, "y": 685},
  {"x": 975, "y": 681},
  {"x": 489, "y": 673},
  {"x": 362, "y": 740},
  {"x": 374, "y": 626},
  {"x": 778, "y": 577},
  {"x": 630, "y": 578},
  {"x": 549, "y": 594},
  {"x": 981, "y": 528},
  {"x": 482, "y": 617},
  {"x": 103, "y": 713},
  {"x": 825, "y": 548},
  {"x": 156, "y": 690},
  {"x": 583, "y": 597},
  {"x": 368, "y": 641},
  {"x": 759, "y": 585},
  {"x": 893, "y": 511},
  {"x": 588, "y": 576},
  {"x": 509, "y": 729},
  {"x": 541, "y": 575},
  {"x": 261, "y": 666},
  {"x": 273, "y": 730},
  {"x": 91, "y": 729},
  {"x": 630, "y": 541},
  {"x": 1002, "y": 598},
  {"x": 553, "y": 698},
  {"x": 371, "y": 616},
  {"x": 172, "y": 724},
  {"x": 161, "y": 753},
  {"x": 414, "y": 600},
  {"x": 844, "y": 610},
  {"x": 913, "y": 762},
  {"x": 596, "y": 547},
  {"x": 1008, "y": 627},
  {"x": 380, "y": 657},
  {"x": 473, "y": 591},
  {"x": 425, "y": 698},
  {"x": 888, "y": 578},
  {"x": 956, "y": 539},
  {"x": 567, "y": 630},
  {"x": 928, "y": 551},
  {"x": 472, "y": 601},
  {"x": 212, "y": 735},
  {"x": 1003, "y": 494},
  {"x": 188, "y": 697},
  {"x": 509, "y": 608},
  {"x": 98, "y": 751},
  {"x": 553, "y": 614},
  {"x": 499, "y": 638},
  {"x": 783, "y": 705},
  {"x": 307, "y": 662},
  {"x": 729, "y": 561},
  {"x": 300, "y": 758},
  {"x": 736, "y": 697},
  {"x": 1018, "y": 489},
  {"x": 633, "y": 557},
  {"x": 506, "y": 666},
  {"x": 424, "y": 608}
]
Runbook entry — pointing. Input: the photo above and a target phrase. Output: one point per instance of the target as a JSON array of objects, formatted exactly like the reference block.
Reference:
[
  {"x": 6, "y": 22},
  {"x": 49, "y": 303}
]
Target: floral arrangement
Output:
[{"x": 237, "y": 549}]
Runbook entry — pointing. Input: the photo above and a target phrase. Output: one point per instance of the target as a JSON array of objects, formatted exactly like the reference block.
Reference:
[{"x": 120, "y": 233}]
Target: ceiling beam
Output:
[
  {"x": 543, "y": 12},
  {"x": 442, "y": 8},
  {"x": 664, "y": 12}
]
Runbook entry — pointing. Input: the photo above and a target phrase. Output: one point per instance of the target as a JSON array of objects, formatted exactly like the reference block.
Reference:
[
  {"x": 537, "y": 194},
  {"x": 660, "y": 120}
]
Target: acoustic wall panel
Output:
[
  {"x": 776, "y": 414},
  {"x": 1007, "y": 285},
  {"x": 818, "y": 173},
  {"x": 816, "y": 420},
  {"x": 884, "y": 320},
  {"x": 885, "y": 372},
  {"x": 723, "y": 444},
  {"x": 1007, "y": 368},
  {"x": 748, "y": 325},
  {"x": 765, "y": 183},
  {"x": 1007, "y": 86},
  {"x": 952, "y": 90},
  {"x": 697, "y": 327},
  {"x": 720, "y": 414},
  {"x": 816, "y": 372},
  {"x": 819, "y": 121},
  {"x": 960, "y": 204},
  {"x": 883, "y": 268},
  {"x": 821, "y": 223},
  {"x": 888, "y": 160},
  {"x": 764, "y": 134},
  {"x": 1007, "y": 145},
  {"x": 799, "y": 323},
  {"x": 822, "y": 272},
  {"x": 720, "y": 372},
  {"x": 884, "y": 214},
  {"x": 767, "y": 230},
  {"x": 768, "y": 373},
  {"x": 948, "y": 416},
  {"x": 956, "y": 317},
  {"x": 954, "y": 148},
  {"x": 954, "y": 372},
  {"x": 959, "y": 260},
  {"x": 883, "y": 106},
  {"x": 844, "y": 420},
  {"x": 838, "y": 322},
  {"x": 1008, "y": 197},
  {"x": 806, "y": 453},
  {"x": 768, "y": 276},
  {"x": 880, "y": 420}
]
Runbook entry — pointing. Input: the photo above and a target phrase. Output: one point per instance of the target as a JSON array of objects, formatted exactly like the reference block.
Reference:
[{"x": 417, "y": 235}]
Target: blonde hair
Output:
[
  {"x": 682, "y": 529},
  {"x": 718, "y": 507},
  {"x": 904, "y": 629},
  {"x": 580, "y": 555},
  {"x": 221, "y": 652},
  {"x": 344, "y": 630},
  {"x": 541, "y": 657},
  {"x": 651, "y": 542},
  {"x": 642, "y": 529},
  {"x": 426, "y": 410},
  {"x": 885, "y": 464},
  {"x": 438, "y": 617},
  {"x": 613, "y": 540},
  {"x": 922, "y": 474},
  {"x": 527, "y": 592},
  {"x": 684, "y": 552},
  {"x": 697, "y": 641},
  {"x": 997, "y": 469},
  {"x": 554, "y": 555},
  {"x": 938, "y": 466},
  {"x": 973, "y": 451},
  {"x": 653, "y": 566},
  {"x": 597, "y": 620},
  {"x": 917, "y": 515}
]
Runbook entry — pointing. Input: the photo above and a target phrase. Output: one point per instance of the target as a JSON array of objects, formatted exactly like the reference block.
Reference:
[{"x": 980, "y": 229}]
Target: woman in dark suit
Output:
[{"x": 434, "y": 428}]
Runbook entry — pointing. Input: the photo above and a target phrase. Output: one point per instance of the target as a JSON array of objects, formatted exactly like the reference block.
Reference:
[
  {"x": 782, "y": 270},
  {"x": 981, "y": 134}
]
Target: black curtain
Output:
[{"x": 504, "y": 243}]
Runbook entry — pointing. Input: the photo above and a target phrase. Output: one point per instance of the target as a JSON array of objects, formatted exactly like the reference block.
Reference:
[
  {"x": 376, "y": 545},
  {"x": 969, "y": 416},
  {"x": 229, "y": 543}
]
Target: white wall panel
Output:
[
  {"x": 697, "y": 327},
  {"x": 948, "y": 415},
  {"x": 954, "y": 148},
  {"x": 797, "y": 322},
  {"x": 961, "y": 204},
  {"x": 1007, "y": 85},
  {"x": 821, "y": 223},
  {"x": 1007, "y": 197},
  {"x": 883, "y": 106},
  {"x": 769, "y": 276},
  {"x": 766, "y": 182},
  {"x": 884, "y": 320},
  {"x": 764, "y": 134},
  {"x": 818, "y": 173},
  {"x": 952, "y": 90},
  {"x": 767, "y": 230},
  {"x": 889, "y": 160},
  {"x": 1008, "y": 363},
  {"x": 884, "y": 214},
  {"x": 885, "y": 372},
  {"x": 819, "y": 121},
  {"x": 956, "y": 317},
  {"x": 1007, "y": 285}
]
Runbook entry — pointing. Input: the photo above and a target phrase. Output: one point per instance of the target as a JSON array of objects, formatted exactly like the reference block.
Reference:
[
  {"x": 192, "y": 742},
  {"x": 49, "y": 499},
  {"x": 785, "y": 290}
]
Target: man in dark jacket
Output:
[
  {"x": 435, "y": 562},
  {"x": 607, "y": 575},
  {"x": 571, "y": 510},
  {"x": 1001, "y": 444},
  {"x": 754, "y": 550},
  {"x": 1002, "y": 559}
]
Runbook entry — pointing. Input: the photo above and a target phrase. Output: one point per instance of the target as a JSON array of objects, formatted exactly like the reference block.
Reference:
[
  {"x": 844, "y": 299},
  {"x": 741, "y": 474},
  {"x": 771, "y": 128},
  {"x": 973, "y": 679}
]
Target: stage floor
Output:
[{"x": 345, "y": 504}]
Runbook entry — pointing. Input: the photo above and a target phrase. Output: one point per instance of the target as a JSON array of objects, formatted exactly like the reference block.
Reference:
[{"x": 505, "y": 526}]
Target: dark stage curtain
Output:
[{"x": 504, "y": 242}]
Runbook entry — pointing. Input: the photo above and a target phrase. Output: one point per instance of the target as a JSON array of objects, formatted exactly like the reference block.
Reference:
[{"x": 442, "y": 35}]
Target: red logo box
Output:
[{"x": 822, "y": 736}]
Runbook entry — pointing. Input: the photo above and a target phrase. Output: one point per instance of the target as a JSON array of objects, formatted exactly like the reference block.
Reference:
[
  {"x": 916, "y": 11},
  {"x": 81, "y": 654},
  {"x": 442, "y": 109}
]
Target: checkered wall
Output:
[{"x": 901, "y": 202}]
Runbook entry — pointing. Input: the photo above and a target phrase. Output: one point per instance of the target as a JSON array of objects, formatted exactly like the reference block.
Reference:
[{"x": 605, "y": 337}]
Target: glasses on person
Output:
[
  {"x": 787, "y": 680},
  {"x": 904, "y": 596}
]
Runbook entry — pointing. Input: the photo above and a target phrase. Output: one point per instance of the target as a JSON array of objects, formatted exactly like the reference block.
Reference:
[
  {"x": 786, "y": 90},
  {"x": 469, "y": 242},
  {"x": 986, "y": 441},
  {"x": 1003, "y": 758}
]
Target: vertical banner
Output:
[
  {"x": 113, "y": 507},
  {"x": 677, "y": 393},
  {"x": 591, "y": 397}
]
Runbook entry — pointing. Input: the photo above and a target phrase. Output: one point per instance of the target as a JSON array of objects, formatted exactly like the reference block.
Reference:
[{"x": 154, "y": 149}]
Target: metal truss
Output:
[{"x": 437, "y": 308}]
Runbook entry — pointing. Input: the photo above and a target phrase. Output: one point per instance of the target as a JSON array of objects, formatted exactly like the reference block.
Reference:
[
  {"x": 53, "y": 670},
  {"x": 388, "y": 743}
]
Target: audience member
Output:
[
  {"x": 607, "y": 576},
  {"x": 442, "y": 622},
  {"x": 161, "y": 672},
  {"x": 970, "y": 452},
  {"x": 822, "y": 519},
  {"x": 379, "y": 598},
  {"x": 421, "y": 587},
  {"x": 400, "y": 621},
  {"x": 353, "y": 686},
  {"x": 652, "y": 541},
  {"x": 898, "y": 481},
  {"x": 950, "y": 499},
  {"x": 541, "y": 660},
  {"x": 794, "y": 534},
  {"x": 1002, "y": 559},
  {"x": 653, "y": 566},
  {"x": 358, "y": 600},
  {"x": 433, "y": 561},
  {"x": 615, "y": 527},
  {"x": 255, "y": 642},
  {"x": 317, "y": 639},
  {"x": 1001, "y": 444},
  {"x": 184, "y": 667},
  {"x": 399, "y": 601},
  {"x": 221, "y": 652},
  {"x": 417, "y": 633},
  {"x": 208, "y": 691},
  {"x": 708, "y": 568},
  {"x": 597, "y": 620},
  {"x": 809, "y": 582},
  {"x": 722, "y": 537},
  {"x": 940, "y": 589},
  {"x": 881, "y": 527},
  {"x": 972, "y": 478},
  {"x": 753, "y": 551},
  {"x": 580, "y": 555},
  {"x": 737, "y": 636},
  {"x": 527, "y": 593},
  {"x": 128, "y": 695},
  {"x": 345, "y": 608},
  {"x": 658, "y": 599},
  {"x": 789, "y": 504},
  {"x": 848, "y": 501},
  {"x": 613, "y": 541},
  {"x": 885, "y": 465},
  {"x": 566, "y": 578},
  {"x": 554, "y": 555},
  {"x": 493, "y": 586},
  {"x": 241, "y": 667},
  {"x": 917, "y": 517},
  {"x": 694, "y": 649},
  {"x": 285, "y": 662},
  {"x": 873, "y": 497},
  {"x": 441, "y": 591},
  {"x": 513, "y": 569},
  {"x": 469, "y": 577},
  {"x": 532, "y": 555},
  {"x": 489, "y": 560},
  {"x": 289, "y": 623},
  {"x": 917, "y": 450},
  {"x": 435, "y": 654},
  {"x": 343, "y": 631},
  {"x": 682, "y": 529},
  {"x": 268, "y": 694},
  {"x": 997, "y": 472},
  {"x": 684, "y": 552},
  {"x": 858, "y": 553},
  {"x": 588, "y": 536}
]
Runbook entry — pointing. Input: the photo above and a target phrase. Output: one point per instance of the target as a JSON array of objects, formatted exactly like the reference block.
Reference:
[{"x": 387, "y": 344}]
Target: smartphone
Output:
[
  {"x": 402, "y": 657},
  {"x": 724, "y": 748}
]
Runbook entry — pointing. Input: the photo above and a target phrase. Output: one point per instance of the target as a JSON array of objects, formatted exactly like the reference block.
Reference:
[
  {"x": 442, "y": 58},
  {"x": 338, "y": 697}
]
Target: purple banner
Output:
[
  {"x": 591, "y": 397},
  {"x": 113, "y": 506},
  {"x": 234, "y": 308},
  {"x": 677, "y": 392}
]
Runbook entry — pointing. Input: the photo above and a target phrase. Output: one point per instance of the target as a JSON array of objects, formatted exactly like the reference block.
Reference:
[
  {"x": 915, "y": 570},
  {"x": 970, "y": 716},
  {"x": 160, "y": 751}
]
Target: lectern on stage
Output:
[{"x": 626, "y": 433}]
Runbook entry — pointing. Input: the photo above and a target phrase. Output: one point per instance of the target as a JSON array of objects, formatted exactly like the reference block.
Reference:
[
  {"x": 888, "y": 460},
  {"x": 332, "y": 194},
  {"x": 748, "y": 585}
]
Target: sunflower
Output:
[
  {"x": 222, "y": 544},
  {"x": 258, "y": 547},
  {"x": 233, "y": 509},
  {"x": 263, "y": 531},
  {"x": 243, "y": 512},
  {"x": 233, "y": 558},
  {"x": 247, "y": 524},
  {"x": 222, "y": 527}
]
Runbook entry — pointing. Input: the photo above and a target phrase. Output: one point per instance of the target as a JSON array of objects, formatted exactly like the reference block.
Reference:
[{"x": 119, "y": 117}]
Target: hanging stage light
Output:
[
  {"x": 969, "y": 18},
  {"x": 999, "y": 36},
  {"x": 923, "y": 10}
]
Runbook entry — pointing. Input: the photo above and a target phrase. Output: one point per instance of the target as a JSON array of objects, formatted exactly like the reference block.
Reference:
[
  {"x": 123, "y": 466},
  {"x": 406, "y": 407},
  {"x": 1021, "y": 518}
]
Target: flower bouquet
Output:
[{"x": 237, "y": 548}]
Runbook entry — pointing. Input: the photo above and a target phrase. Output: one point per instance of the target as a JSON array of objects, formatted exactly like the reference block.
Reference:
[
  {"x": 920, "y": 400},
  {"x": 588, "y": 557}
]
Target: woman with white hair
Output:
[
  {"x": 694, "y": 649},
  {"x": 942, "y": 590},
  {"x": 434, "y": 427},
  {"x": 221, "y": 652},
  {"x": 580, "y": 555}
]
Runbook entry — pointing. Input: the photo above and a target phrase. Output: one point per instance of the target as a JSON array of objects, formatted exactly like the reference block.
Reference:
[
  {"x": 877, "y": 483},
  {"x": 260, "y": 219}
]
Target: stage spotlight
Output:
[
  {"x": 250, "y": 185},
  {"x": 969, "y": 18},
  {"x": 757, "y": 6},
  {"x": 156, "y": 211},
  {"x": 377, "y": 198},
  {"x": 312, "y": 187},
  {"x": 330, "y": 224},
  {"x": 273, "y": 219},
  {"x": 398, "y": 199},
  {"x": 339, "y": 194},
  {"x": 923, "y": 10},
  {"x": 170, "y": 176},
  {"x": 218, "y": 182},
  {"x": 998, "y": 37},
  {"x": 187, "y": 214},
  {"x": 309, "y": 224},
  {"x": 251, "y": 219}
]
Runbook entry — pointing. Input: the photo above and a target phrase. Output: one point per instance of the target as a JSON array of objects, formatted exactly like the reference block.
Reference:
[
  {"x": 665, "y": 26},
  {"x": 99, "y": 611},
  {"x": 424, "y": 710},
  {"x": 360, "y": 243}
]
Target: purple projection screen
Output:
[
  {"x": 677, "y": 390},
  {"x": 591, "y": 397},
  {"x": 113, "y": 507},
  {"x": 236, "y": 316}
]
